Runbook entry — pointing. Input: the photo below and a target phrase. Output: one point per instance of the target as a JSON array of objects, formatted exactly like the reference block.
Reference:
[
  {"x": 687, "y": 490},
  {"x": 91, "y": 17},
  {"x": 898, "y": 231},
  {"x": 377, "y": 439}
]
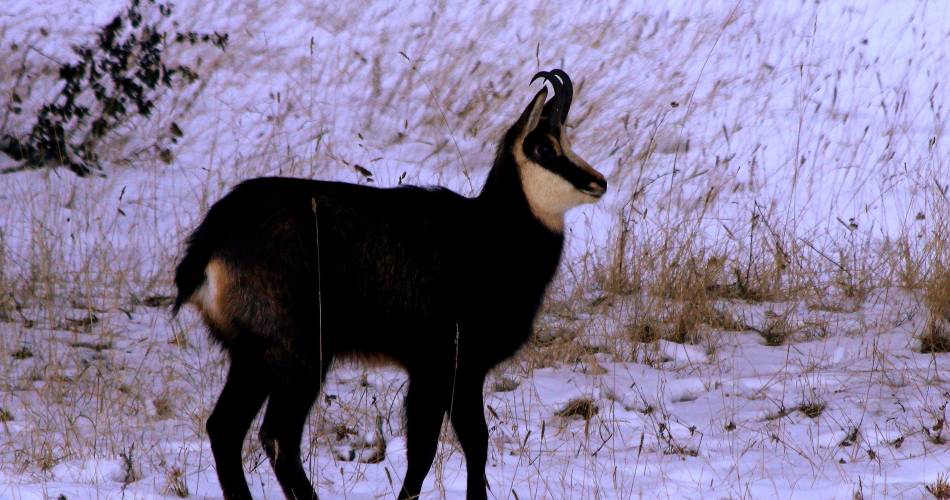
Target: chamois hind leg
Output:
[
  {"x": 242, "y": 396},
  {"x": 427, "y": 400},
  {"x": 468, "y": 420},
  {"x": 291, "y": 399}
]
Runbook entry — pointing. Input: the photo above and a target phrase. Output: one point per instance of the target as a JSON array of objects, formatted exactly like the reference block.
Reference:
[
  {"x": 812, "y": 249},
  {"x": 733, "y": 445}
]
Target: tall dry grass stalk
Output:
[
  {"x": 749, "y": 167},
  {"x": 935, "y": 283}
]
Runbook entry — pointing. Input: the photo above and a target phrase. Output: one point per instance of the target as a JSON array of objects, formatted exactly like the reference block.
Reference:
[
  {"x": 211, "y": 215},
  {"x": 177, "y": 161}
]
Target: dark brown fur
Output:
[{"x": 290, "y": 274}]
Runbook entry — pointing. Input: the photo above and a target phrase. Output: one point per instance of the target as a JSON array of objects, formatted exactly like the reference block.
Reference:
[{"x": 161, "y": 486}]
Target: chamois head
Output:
[{"x": 553, "y": 178}]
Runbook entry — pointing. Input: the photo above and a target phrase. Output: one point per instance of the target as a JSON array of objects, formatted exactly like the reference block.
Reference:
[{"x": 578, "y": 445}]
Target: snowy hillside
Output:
[{"x": 742, "y": 316}]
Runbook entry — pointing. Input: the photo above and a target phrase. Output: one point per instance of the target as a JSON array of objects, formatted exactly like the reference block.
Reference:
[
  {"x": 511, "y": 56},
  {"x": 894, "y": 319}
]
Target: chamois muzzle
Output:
[{"x": 597, "y": 187}]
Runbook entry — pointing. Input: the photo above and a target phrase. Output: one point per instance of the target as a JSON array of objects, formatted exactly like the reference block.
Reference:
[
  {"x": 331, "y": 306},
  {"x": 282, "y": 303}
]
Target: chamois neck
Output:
[{"x": 503, "y": 196}]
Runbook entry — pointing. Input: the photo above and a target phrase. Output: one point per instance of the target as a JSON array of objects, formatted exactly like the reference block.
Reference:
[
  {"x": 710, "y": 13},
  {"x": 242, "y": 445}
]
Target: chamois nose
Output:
[{"x": 597, "y": 187}]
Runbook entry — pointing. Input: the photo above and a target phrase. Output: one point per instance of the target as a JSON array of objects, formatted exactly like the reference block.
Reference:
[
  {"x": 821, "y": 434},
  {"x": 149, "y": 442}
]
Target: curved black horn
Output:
[
  {"x": 552, "y": 110},
  {"x": 555, "y": 82},
  {"x": 541, "y": 74},
  {"x": 556, "y": 109},
  {"x": 568, "y": 92}
]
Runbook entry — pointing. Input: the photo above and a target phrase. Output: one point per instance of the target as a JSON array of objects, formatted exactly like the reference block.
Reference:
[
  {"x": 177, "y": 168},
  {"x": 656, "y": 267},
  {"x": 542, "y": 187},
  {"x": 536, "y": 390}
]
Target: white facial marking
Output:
[{"x": 549, "y": 195}]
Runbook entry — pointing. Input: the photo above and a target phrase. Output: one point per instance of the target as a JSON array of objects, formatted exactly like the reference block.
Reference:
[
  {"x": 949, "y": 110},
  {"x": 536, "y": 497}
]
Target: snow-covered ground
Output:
[
  {"x": 689, "y": 423},
  {"x": 809, "y": 130}
]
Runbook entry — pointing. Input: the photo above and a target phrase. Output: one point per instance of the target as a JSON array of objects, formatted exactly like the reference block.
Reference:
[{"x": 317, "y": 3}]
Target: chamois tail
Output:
[{"x": 190, "y": 273}]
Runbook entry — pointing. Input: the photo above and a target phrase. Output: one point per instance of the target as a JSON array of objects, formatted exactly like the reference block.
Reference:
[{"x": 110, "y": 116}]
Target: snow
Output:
[{"x": 813, "y": 114}]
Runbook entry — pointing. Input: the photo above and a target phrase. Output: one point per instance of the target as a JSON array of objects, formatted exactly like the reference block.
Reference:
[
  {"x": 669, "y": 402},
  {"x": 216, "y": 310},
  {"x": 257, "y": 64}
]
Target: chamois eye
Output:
[{"x": 544, "y": 150}]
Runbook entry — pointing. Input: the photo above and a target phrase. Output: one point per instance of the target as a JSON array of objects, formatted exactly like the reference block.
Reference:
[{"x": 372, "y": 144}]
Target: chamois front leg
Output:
[
  {"x": 427, "y": 401},
  {"x": 468, "y": 420}
]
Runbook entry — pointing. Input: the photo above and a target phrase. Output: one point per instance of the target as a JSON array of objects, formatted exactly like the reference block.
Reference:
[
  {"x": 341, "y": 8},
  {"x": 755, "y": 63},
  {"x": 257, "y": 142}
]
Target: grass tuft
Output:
[
  {"x": 936, "y": 336},
  {"x": 936, "y": 292},
  {"x": 940, "y": 487},
  {"x": 176, "y": 483},
  {"x": 812, "y": 408},
  {"x": 22, "y": 353},
  {"x": 581, "y": 408}
]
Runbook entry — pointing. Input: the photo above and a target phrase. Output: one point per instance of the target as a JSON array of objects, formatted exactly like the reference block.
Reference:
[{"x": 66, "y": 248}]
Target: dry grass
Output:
[
  {"x": 935, "y": 337},
  {"x": 940, "y": 488},
  {"x": 579, "y": 408},
  {"x": 702, "y": 222},
  {"x": 812, "y": 408},
  {"x": 176, "y": 483}
]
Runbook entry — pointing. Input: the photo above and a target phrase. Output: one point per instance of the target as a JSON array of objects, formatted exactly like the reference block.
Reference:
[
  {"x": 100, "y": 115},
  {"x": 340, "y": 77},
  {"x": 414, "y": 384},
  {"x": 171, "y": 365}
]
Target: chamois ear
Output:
[{"x": 532, "y": 114}]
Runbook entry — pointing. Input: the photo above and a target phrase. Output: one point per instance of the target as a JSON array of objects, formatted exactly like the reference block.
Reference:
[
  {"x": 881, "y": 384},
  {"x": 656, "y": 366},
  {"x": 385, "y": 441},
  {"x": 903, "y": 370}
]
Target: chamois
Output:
[{"x": 290, "y": 274}]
